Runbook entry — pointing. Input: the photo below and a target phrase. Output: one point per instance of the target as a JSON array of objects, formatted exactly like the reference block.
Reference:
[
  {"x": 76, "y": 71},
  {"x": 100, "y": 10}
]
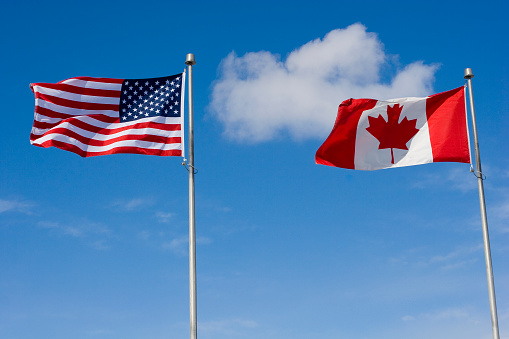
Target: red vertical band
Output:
[
  {"x": 339, "y": 148},
  {"x": 447, "y": 126}
]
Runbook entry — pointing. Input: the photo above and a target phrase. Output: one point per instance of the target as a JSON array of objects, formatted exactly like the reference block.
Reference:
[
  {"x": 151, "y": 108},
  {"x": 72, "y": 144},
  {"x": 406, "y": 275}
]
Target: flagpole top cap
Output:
[
  {"x": 468, "y": 73},
  {"x": 190, "y": 59}
]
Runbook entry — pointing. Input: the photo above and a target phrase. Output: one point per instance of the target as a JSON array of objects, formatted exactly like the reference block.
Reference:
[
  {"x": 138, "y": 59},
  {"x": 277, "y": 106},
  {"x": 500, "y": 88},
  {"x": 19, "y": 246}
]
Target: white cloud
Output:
[{"x": 257, "y": 97}]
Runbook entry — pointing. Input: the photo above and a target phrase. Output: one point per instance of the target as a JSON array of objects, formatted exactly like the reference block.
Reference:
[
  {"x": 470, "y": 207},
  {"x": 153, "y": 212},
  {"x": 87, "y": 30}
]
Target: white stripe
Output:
[
  {"x": 105, "y": 137},
  {"x": 182, "y": 101},
  {"x": 367, "y": 154},
  {"x": 124, "y": 143},
  {"x": 78, "y": 97},
  {"x": 92, "y": 84},
  {"x": 42, "y": 118},
  {"x": 73, "y": 111}
]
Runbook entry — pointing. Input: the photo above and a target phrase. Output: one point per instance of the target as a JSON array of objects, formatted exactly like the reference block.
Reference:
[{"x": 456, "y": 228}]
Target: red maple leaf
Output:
[{"x": 392, "y": 134}]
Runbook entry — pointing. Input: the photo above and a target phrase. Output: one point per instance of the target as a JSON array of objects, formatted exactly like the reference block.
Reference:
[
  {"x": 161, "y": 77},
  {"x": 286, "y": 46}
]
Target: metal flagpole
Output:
[
  {"x": 487, "y": 253},
  {"x": 192, "y": 232}
]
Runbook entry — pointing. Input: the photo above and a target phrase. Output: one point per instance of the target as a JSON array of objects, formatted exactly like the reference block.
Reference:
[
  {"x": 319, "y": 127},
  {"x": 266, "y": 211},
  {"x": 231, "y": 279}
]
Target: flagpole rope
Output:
[
  {"x": 195, "y": 170},
  {"x": 477, "y": 174}
]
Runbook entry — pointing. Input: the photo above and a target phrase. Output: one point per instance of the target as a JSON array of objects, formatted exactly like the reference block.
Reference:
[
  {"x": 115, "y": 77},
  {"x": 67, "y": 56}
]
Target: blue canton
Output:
[{"x": 144, "y": 98}]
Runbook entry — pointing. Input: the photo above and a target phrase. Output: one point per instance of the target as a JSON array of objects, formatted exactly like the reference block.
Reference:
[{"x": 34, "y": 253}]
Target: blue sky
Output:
[{"x": 97, "y": 247}]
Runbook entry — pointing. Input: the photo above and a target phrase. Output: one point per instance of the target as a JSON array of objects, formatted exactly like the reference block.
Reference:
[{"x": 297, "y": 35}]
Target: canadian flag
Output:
[{"x": 372, "y": 134}]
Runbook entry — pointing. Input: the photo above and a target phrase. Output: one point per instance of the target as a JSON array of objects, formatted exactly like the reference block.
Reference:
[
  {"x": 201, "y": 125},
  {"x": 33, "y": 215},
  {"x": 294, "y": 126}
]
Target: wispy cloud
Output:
[
  {"x": 446, "y": 314},
  {"x": 132, "y": 204},
  {"x": 180, "y": 247},
  {"x": 15, "y": 206},
  {"x": 164, "y": 217},
  {"x": 500, "y": 215},
  {"x": 257, "y": 97},
  {"x": 95, "y": 234},
  {"x": 457, "y": 258},
  {"x": 227, "y": 327},
  {"x": 458, "y": 179}
]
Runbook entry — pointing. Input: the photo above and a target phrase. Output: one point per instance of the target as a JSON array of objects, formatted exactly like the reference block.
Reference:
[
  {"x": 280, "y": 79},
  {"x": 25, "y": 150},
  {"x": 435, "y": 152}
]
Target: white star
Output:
[
  {"x": 124, "y": 118},
  {"x": 146, "y": 84},
  {"x": 157, "y": 82}
]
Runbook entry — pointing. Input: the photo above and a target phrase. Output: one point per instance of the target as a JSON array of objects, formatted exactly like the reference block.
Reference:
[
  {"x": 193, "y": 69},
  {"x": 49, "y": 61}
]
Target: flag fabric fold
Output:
[
  {"x": 99, "y": 116},
  {"x": 372, "y": 134}
]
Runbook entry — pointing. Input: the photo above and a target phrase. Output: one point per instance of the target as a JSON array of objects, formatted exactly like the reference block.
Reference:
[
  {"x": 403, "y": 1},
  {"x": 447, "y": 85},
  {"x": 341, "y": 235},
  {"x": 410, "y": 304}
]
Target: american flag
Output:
[{"x": 99, "y": 116}]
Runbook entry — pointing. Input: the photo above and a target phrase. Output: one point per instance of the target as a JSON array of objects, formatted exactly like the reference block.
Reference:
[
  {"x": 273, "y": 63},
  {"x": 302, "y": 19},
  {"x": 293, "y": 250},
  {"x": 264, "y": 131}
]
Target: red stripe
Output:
[
  {"x": 131, "y": 150},
  {"x": 82, "y": 91},
  {"x": 448, "y": 126},
  {"x": 77, "y": 104},
  {"x": 104, "y": 80},
  {"x": 339, "y": 148}
]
